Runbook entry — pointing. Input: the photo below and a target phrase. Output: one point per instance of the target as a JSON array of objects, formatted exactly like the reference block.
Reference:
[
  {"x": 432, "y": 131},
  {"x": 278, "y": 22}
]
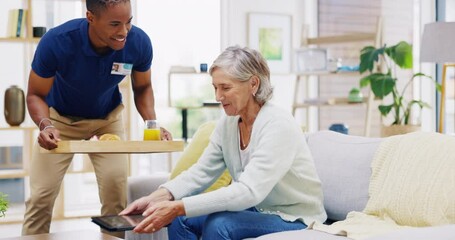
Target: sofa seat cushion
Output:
[
  {"x": 343, "y": 165},
  {"x": 445, "y": 232}
]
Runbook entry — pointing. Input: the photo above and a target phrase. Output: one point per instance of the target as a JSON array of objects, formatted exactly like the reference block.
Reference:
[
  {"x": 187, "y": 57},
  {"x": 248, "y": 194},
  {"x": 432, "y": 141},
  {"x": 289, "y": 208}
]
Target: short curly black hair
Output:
[{"x": 96, "y": 6}]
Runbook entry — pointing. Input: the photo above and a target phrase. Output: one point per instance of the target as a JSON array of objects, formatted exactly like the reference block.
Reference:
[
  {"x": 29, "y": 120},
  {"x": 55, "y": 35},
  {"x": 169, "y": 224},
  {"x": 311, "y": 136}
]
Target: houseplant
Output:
[
  {"x": 382, "y": 64},
  {"x": 3, "y": 204}
]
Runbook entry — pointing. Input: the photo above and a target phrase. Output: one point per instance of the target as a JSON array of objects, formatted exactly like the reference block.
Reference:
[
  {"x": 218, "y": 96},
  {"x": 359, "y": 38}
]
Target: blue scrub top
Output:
[{"x": 84, "y": 85}]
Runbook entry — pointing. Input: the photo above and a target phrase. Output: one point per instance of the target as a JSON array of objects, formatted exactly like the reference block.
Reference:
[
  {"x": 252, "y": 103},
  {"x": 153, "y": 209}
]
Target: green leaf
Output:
[
  {"x": 436, "y": 84},
  {"x": 385, "y": 109},
  {"x": 438, "y": 87},
  {"x": 3, "y": 204},
  {"x": 420, "y": 75},
  {"x": 418, "y": 103},
  {"x": 401, "y": 54},
  {"x": 364, "y": 81},
  {"x": 368, "y": 56},
  {"x": 381, "y": 84}
]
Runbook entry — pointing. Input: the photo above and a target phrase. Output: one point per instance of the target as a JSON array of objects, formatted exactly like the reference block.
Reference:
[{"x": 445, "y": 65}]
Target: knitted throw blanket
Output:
[{"x": 412, "y": 185}]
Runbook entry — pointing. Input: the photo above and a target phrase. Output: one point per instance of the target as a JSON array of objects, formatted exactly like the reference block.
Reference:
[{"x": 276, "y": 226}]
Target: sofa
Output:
[{"x": 344, "y": 165}]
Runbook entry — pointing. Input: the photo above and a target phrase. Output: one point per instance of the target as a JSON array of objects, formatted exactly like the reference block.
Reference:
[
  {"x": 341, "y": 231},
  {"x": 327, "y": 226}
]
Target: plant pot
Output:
[
  {"x": 14, "y": 109},
  {"x": 387, "y": 131}
]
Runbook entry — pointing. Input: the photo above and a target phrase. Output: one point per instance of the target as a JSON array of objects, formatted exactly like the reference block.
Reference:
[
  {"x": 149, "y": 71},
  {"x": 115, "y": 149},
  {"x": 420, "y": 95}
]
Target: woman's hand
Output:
[
  {"x": 160, "y": 215},
  {"x": 138, "y": 206},
  {"x": 143, "y": 203}
]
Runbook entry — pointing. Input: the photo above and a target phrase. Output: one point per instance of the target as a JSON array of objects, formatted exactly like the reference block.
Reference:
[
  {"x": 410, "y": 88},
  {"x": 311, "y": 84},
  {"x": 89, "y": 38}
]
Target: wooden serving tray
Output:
[{"x": 116, "y": 147}]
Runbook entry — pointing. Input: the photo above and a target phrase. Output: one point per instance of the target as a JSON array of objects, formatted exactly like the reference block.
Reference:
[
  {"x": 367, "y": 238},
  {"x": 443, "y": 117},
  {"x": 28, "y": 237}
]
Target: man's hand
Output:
[
  {"x": 48, "y": 137},
  {"x": 165, "y": 135}
]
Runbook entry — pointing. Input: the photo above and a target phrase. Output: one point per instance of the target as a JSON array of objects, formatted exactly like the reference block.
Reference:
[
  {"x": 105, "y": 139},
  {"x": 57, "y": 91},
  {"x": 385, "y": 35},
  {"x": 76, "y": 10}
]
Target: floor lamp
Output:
[{"x": 437, "y": 47}]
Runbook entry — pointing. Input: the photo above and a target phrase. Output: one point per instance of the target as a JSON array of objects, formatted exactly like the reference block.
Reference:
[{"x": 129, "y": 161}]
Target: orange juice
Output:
[{"x": 152, "y": 134}]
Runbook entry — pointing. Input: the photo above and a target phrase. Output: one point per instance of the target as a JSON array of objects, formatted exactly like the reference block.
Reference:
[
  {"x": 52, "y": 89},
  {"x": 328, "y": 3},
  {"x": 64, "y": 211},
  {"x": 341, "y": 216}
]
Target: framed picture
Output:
[{"x": 271, "y": 35}]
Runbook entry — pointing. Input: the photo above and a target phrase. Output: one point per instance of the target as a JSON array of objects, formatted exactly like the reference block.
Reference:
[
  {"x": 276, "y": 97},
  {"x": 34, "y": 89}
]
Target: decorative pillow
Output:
[
  {"x": 194, "y": 150},
  {"x": 343, "y": 165},
  {"x": 413, "y": 180}
]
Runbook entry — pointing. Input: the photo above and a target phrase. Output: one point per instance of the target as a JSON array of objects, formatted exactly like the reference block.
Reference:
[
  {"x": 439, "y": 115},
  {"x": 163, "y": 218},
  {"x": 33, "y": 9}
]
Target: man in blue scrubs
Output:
[{"x": 73, "y": 94}]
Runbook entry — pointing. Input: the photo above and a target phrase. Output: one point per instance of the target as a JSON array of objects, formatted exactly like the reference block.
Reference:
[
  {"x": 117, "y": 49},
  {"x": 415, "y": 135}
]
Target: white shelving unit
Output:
[{"x": 307, "y": 103}]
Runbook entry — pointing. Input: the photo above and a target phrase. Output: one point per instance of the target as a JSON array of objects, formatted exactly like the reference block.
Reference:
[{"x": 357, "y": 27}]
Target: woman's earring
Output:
[{"x": 254, "y": 94}]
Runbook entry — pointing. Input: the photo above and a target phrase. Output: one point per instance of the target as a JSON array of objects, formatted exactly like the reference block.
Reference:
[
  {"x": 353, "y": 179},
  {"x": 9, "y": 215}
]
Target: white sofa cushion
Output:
[{"x": 343, "y": 164}]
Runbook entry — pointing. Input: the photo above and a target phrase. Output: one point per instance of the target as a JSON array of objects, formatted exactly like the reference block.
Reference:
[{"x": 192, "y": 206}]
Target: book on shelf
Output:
[{"x": 16, "y": 23}]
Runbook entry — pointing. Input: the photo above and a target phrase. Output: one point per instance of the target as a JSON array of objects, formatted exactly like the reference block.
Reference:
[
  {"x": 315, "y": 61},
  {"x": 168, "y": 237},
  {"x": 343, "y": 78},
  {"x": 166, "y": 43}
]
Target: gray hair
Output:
[
  {"x": 96, "y": 6},
  {"x": 242, "y": 64}
]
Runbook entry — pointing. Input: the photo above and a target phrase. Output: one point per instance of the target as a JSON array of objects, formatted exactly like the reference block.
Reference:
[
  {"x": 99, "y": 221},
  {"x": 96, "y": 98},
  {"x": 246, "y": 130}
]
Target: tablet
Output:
[{"x": 118, "y": 223}]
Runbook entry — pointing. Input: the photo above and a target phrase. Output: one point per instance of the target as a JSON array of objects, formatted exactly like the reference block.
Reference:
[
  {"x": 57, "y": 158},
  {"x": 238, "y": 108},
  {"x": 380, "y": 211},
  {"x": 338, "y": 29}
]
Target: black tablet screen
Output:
[{"x": 118, "y": 223}]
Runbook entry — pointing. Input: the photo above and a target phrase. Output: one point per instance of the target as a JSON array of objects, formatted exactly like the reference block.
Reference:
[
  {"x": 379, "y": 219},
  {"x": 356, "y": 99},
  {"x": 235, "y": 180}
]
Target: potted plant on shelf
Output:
[
  {"x": 3, "y": 204},
  {"x": 382, "y": 63}
]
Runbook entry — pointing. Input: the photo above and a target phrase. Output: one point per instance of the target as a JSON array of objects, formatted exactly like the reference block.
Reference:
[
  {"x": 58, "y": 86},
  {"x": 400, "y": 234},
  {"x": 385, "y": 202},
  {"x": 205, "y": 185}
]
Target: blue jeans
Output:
[{"x": 229, "y": 225}]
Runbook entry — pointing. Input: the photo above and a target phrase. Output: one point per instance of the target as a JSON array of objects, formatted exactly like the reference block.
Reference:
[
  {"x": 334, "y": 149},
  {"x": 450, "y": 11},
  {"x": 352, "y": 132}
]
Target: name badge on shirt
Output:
[{"x": 121, "y": 68}]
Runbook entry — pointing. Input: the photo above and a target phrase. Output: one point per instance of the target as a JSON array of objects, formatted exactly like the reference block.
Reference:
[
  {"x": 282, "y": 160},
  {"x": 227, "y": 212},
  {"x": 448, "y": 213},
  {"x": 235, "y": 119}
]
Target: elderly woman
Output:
[{"x": 275, "y": 185}]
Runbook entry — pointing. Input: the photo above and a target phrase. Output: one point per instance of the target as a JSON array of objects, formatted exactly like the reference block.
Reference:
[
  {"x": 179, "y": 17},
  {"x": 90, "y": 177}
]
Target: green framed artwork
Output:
[{"x": 271, "y": 35}]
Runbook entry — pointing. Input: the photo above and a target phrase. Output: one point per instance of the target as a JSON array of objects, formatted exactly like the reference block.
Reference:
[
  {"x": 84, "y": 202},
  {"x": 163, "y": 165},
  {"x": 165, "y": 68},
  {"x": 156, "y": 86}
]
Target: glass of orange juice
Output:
[{"x": 152, "y": 130}]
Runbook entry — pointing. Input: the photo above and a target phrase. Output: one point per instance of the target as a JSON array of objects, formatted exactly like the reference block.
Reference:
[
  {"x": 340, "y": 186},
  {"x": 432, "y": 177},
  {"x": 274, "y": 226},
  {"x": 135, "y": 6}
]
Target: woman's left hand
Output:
[{"x": 160, "y": 215}]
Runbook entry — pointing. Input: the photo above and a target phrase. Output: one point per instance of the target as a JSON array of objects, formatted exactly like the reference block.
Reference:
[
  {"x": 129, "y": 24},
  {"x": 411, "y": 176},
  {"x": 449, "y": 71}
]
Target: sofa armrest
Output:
[{"x": 139, "y": 186}]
